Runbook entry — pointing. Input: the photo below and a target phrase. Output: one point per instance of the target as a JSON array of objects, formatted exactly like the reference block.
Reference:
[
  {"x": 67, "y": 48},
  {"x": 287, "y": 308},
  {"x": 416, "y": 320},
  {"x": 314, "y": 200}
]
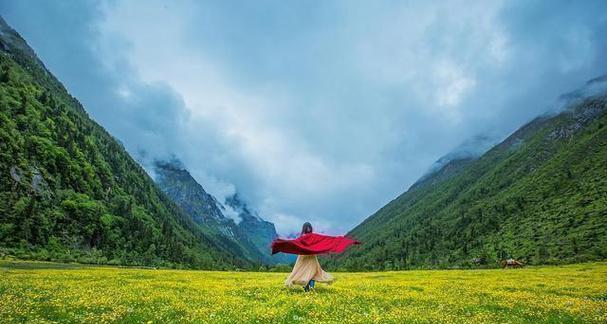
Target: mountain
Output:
[
  {"x": 539, "y": 196},
  {"x": 177, "y": 183},
  {"x": 70, "y": 192},
  {"x": 244, "y": 231},
  {"x": 257, "y": 230}
]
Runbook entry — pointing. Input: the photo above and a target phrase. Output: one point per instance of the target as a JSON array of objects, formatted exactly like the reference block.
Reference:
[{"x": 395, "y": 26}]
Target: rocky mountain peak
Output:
[
  {"x": 177, "y": 183},
  {"x": 233, "y": 219},
  {"x": 243, "y": 210}
]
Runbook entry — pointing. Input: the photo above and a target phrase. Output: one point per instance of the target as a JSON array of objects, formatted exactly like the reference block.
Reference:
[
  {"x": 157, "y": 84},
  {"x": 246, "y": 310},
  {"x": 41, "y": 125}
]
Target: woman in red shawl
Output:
[{"x": 307, "y": 270}]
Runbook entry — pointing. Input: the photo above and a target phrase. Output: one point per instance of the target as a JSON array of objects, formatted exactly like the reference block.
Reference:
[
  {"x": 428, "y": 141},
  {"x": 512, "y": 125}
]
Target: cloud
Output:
[
  {"x": 452, "y": 85},
  {"x": 319, "y": 112}
]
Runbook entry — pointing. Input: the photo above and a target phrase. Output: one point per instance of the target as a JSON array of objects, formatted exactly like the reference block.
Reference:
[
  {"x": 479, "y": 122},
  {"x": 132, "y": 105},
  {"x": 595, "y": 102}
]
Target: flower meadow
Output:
[{"x": 46, "y": 293}]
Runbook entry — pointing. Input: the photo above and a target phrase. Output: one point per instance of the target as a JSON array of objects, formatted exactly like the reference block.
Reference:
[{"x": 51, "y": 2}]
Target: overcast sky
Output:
[{"x": 319, "y": 111}]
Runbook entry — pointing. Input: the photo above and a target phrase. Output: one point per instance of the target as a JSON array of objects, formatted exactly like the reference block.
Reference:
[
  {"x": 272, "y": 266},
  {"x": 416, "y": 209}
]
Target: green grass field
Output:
[{"x": 41, "y": 292}]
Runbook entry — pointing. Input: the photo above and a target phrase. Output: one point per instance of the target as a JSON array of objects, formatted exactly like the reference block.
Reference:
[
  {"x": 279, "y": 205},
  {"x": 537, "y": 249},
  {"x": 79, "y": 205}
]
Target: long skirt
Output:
[{"x": 305, "y": 269}]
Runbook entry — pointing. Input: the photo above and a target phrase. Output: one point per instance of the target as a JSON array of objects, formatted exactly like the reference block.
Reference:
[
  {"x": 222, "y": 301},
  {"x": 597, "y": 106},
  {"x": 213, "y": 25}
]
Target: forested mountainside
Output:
[
  {"x": 539, "y": 196},
  {"x": 247, "y": 234},
  {"x": 69, "y": 191}
]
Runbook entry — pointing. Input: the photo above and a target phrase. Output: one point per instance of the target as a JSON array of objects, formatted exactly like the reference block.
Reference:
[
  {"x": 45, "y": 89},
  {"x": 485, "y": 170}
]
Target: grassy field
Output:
[{"x": 59, "y": 293}]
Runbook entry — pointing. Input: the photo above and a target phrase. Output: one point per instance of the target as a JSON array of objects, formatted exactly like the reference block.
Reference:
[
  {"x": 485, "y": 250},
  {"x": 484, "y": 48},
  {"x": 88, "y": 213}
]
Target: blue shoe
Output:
[{"x": 311, "y": 283}]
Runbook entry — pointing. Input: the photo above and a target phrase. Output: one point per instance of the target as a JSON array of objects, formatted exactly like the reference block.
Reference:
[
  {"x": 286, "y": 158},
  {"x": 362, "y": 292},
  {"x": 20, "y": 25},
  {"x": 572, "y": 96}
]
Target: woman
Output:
[{"x": 307, "y": 270}]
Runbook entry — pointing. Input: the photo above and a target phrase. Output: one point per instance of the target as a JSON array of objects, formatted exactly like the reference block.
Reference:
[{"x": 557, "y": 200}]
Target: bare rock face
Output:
[
  {"x": 257, "y": 230},
  {"x": 577, "y": 118},
  {"x": 39, "y": 185},
  {"x": 16, "y": 173},
  {"x": 177, "y": 183},
  {"x": 580, "y": 107},
  {"x": 233, "y": 220}
]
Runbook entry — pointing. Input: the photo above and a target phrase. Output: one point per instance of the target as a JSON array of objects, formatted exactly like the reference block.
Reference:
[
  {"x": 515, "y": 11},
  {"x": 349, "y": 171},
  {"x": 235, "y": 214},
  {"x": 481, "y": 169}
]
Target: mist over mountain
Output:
[
  {"x": 476, "y": 146},
  {"x": 466, "y": 152},
  {"x": 593, "y": 87},
  {"x": 70, "y": 192},
  {"x": 232, "y": 221},
  {"x": 537, "y": 196}
]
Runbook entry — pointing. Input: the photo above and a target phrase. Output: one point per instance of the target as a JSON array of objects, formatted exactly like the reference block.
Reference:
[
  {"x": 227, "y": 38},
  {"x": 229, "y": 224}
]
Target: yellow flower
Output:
[{"x": 104, "y": 294}]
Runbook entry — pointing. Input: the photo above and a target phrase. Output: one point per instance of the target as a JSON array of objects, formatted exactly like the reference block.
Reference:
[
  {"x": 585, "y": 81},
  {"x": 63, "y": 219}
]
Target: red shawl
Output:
[{"x": 312, "y": 243}]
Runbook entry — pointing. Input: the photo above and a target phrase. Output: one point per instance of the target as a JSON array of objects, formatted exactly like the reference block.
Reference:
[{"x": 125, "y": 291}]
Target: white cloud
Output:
[
  {"x": 578, "y": 49},
  {"x": 300, "y": 159},
  {"x": 452, "y": 84}
]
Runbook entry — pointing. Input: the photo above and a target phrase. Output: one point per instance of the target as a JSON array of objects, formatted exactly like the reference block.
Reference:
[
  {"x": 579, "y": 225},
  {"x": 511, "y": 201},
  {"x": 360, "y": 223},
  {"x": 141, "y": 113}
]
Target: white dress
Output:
[{"x": 305, "y": 269}]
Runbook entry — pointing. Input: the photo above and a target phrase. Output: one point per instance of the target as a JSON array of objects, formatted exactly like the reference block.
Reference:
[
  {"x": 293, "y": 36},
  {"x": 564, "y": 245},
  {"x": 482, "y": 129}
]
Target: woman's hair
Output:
[{"x": 307, "y": 228}]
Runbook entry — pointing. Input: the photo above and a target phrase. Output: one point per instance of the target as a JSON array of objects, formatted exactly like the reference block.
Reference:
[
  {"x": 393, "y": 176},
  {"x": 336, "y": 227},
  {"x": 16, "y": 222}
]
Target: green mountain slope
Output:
[
  {"x": 539, "y": 196},
  {"x": 247, "y": 234},
  {"x": 177, "y": 183},
  {"x": 69, "y": 191},
  {"x": 257, "y": 230}
]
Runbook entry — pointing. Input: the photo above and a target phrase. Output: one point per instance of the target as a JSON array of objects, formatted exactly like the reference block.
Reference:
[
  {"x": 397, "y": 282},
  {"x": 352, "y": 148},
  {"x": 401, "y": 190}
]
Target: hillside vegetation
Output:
[
  {"x": 539, "y": 196},
  {"x": 244, "y": 231},
  {"x": 70, "y": 192}
]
